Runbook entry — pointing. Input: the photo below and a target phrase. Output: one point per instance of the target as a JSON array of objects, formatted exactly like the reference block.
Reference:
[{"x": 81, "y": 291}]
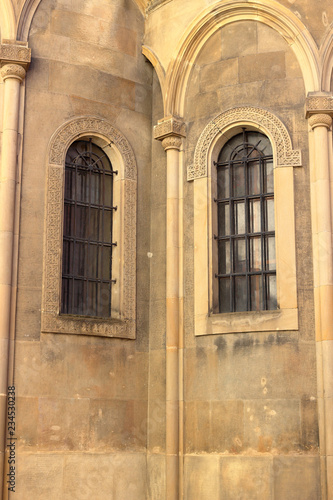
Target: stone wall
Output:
[
  {"x": 250, "y": 399},
  {"x": 82, "y": 401}
]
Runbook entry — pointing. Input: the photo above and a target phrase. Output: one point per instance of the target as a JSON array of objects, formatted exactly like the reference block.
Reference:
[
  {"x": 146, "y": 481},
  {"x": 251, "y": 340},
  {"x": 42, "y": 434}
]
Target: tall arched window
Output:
[
  {"x": 245, "y": 219},
  {"x": 87, "y": 231}
]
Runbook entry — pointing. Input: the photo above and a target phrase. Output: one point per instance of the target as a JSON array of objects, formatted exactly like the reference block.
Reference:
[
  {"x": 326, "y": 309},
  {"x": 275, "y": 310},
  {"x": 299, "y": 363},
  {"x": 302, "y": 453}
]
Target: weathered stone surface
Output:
[
  {"x": 202, "y": 478},
  {"x": 246, "y": 478},
  {"x": 296, "y": 478}
]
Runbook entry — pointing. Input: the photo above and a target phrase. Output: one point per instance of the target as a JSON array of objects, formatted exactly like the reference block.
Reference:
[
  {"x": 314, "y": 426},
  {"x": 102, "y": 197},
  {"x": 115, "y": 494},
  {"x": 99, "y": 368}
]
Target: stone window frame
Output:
[
  {"x": 285, "y": 159},
  {"x": 122, "y": 323}
]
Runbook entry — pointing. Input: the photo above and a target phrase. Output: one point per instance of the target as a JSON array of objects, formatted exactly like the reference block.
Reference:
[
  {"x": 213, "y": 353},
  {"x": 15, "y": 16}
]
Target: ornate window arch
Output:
[
  {"x": 210, "y": 143},
  {"x": 122, "y": 322}
]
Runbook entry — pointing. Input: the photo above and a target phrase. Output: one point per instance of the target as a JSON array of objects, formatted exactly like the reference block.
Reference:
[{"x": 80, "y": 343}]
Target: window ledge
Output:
[{"x": 246, "y": 322}]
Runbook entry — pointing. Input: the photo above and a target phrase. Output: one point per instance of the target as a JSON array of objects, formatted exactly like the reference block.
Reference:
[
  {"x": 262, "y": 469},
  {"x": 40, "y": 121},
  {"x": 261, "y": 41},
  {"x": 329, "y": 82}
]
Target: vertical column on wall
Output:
[
  {"x": 14, "y": 61},
  {"x": 170, "y": 131},
  {"x": 319, "y": 110}
]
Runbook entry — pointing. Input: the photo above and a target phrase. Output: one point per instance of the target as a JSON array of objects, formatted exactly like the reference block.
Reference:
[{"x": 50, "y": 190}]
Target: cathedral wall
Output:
[
  {"x": 82, "y": 400},
  {"x": 250, "y": 398}
]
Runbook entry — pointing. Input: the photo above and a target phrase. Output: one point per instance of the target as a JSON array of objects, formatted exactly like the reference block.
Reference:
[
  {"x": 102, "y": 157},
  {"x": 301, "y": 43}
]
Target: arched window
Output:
[
  {"x": 246, "y": 232},
  {"x": 87, "y": 236}
]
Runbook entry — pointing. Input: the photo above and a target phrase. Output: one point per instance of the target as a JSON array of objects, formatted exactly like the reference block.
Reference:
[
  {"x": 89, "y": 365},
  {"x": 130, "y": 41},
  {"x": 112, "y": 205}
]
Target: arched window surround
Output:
[
  {"x": 202, "y": 172},
  {"x": 123, "y": 314}
]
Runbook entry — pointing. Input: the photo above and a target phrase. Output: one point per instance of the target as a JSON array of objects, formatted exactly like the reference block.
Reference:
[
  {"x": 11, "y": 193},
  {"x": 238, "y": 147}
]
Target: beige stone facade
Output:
[{"x": 167, "y": 398}]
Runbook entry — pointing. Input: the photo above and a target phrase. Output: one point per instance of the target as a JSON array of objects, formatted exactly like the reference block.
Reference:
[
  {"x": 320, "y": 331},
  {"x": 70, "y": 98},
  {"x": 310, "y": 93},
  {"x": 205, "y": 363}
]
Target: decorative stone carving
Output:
[
  {"x": 15, "y": 53},
  {"x": 52, "y": 321},
  {"x": 169, "y": 126},
  {"x": 320, "y": 120},
  {"x": 318, "y": 103},
  {"x": 13, "y": 71},
  {"x": 286, "y": 156},
  {"x": 172, "y": 142}
]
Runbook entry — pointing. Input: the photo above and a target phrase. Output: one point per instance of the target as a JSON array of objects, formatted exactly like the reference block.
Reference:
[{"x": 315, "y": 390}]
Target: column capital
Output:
[
  {"x": 170, "y": 131},
  {"x": 15, "y": 59},
  {"x": 319, "y": 103},
  {"x": 320, "y": 120}
]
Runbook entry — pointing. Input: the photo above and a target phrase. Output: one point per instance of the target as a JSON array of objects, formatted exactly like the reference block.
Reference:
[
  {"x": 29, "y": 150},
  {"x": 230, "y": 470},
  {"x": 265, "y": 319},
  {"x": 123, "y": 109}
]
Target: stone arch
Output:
[
  {"x": 216, "y": 16},
  {"x": 7, "y": 20},
  {"x": 259, "y": 118},
  {"x": 326, "y": 51},
  {"x": 52, "y": 321}
]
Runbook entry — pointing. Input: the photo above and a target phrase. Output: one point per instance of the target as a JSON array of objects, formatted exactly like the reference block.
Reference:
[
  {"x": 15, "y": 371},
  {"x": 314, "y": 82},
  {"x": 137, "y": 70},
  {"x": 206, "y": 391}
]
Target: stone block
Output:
[
  {"x": 296, "y": 478},
  {"x": 81, "y": 106},
  {"x": 63, "y": 424},
  {"x": 201, "y": 478},
  {"x": 239, "y": 39},
  {"x": 211, "y": 51},
  {"x": 50, "y": 46},
  {"x": 28, "y": 313},
  {"x": 38, "y": 74},
  {"x": 73, "y": 80},
  {"x": 39, "y": 476},
  {"x": 269, "y": 40},
  {"x": 267, "y": 66},
  {"x": 240, "y": 95},
  {"x": 309, "y": 423},
  {"x": 157, "y": 323},
  {"x": 293, "y": 69},
  {"x": 272, "y": 426},
  {"x": 156, "y": 425},
  {"x": 26, "y": 423},
  {"x": 156, "y": 477},
  {"x": 217, "y": 75},
  {"x": 27, "y": 368},
  {"x": 101, "y": 477},
  {"x": 30, "y": 258},
  {"x": 282, "y": 93},
  {"x": 116, "y": 424},
  {"x": 204, "y": 105},
  {"x": 246, "y": 478}
]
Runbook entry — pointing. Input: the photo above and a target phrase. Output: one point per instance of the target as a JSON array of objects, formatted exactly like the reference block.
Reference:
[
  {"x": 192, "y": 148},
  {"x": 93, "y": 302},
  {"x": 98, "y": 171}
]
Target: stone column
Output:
[
  {"x": 319, "y": 111},
  {"x": 170, "y": 131},
  {"x": 14, "y": 61}
]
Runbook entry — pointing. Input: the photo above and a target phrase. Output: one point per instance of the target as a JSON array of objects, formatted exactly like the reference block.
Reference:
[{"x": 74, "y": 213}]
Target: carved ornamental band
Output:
[{"x": 260, "y": 118}]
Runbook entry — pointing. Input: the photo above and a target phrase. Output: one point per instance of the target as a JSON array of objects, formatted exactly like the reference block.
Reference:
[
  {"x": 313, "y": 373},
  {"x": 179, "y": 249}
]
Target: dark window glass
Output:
[
  {"x": 87, "y": 238},
  {"x": 246, "y": 235}
]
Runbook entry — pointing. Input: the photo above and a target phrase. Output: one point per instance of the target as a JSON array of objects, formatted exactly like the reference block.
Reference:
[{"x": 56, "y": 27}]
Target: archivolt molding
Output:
[
  {"x": 52, "y": 321},
  {"x": 225, "y": 12},
  {"x": 7, "y": 20},
  {"x": 326, "y": 52},
  {"x": 260, "y": 118},
  {"x": 91, "y": 125}
]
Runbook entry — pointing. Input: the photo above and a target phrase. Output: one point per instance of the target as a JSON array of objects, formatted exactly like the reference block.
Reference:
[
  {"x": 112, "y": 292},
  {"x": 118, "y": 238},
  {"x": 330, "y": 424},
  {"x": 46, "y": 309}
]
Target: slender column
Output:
[
  {"x": 170, "y": 132},
  {"x": 320, "y": 121},
  {"x": 13, "y": 73}
]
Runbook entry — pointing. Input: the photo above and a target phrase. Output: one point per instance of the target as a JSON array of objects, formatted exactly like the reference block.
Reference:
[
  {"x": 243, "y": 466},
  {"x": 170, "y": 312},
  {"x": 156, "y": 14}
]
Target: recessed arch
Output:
[
  {"x": 326, "y": 52},
  {"x": 215, "y": 17}
]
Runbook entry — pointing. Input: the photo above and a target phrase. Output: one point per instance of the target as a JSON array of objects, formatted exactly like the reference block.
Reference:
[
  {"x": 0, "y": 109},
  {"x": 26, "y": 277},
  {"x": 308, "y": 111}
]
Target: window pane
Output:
[
  {"x": 270, "y": 253},
  {"x": 254, "y": 177},
  {"x": 269, "y": 177},
  {"x": 240, "y": 293},
  {"x": 238, "y": 174},
  {"x": 79, "y": 259},
  {"x": 239, "y": 217},
  {"x": 224, "y": 295},
  {"x": 271, "y": 292},
  {"x": 105, "y": 262},
  {"x": 104, "y": 300},
  {"x": 223, "y": 182},
  {"x": 256, "y": 293},
  {"x": 255, "y": 216},
  {"x": 255, "y": 254},
  {"x": 239, "y": 256},
  {"x": 270, "y": 224},
  {"x": 224, "y": 257},
  {"x": 224, "y": 219},
  {"x": 79, "y": 297},
  {"x": 107, "y": 216}
]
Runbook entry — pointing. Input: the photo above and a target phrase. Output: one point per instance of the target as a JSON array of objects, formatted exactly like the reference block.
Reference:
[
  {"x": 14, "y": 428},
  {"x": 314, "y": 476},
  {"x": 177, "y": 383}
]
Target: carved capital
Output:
[
  {"x": 13, "y": 71},
  {"x": 14, "y": 60},
  {"x": 319, "y": 103},
  {"x": 170, "y": 131},
  {"x": 172, "y": 142},
  {"x": 320, "y": 120}
]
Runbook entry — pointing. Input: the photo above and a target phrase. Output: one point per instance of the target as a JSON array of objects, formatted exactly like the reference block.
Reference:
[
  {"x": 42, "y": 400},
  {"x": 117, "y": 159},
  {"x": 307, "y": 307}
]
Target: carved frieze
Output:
[
  {"x": 169, "y": 127},
  {"x": 319, "y": 103},
  {"x": 286, "y": 156}
]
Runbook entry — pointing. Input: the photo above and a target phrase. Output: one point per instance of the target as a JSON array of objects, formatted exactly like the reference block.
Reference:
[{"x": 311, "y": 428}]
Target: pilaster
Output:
[
  {"x": 319, "y": 111},
  {"x": 171, "y": 131}
]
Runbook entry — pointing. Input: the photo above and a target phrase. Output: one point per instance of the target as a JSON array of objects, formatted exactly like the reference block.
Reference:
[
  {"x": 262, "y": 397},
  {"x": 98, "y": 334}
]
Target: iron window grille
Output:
[
  {"x": 87, "y": 231},
  {"x": 245, "y": 219}
]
